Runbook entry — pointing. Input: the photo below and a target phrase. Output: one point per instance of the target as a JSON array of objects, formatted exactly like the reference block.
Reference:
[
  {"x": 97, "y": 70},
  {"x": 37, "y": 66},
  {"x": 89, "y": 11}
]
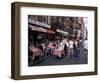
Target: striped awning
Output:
[
  {"x": 50, "y": 31},
  {"x": 62, "y": 32},
  {"x": 36, "y": 28},
  {"x": 40, "y": 29}
]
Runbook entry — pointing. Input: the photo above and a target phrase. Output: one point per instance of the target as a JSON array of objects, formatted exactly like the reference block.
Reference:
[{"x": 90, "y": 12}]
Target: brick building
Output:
[{"x": 69, "y": 26}]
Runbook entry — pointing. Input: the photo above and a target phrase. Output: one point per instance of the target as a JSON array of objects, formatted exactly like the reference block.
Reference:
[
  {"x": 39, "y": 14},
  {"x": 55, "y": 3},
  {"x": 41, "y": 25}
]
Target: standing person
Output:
[
  {"x": 85, "y": 44},
  {"x": 71, "y": 47},
  {"x": 62, "y": 44},
  {"x": 76, "y": 48},
  {"x": 66, "y": 46},
  {"x": 43, "y": 48},
  {"x": 75, "y": 44}
]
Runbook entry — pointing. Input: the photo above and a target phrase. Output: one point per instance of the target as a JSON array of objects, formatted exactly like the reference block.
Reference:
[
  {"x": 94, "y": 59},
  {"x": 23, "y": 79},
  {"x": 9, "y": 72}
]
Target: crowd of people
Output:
[{"x": 58, "y": 48}]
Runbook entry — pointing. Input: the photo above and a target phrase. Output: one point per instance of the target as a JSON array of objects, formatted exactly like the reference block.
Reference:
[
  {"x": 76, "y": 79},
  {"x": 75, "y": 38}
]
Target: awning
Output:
[
  {"x": 36, "y": 28},
  {"x": 50, "y": 31},
  {"x": 62, "y": 32},
  {"x": 40, "y": 29},
  {"x": 32, "y": 21}
]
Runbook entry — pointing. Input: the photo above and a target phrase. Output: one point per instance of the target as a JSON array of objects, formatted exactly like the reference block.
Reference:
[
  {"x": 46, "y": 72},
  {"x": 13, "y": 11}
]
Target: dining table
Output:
[
  {"x": 58, "y": 52},
  {"x": 36, "y": 52}
]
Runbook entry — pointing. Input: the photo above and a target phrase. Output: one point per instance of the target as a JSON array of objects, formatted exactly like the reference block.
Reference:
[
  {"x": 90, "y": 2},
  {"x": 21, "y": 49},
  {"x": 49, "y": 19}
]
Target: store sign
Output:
[{"x": 38, "y": 23}]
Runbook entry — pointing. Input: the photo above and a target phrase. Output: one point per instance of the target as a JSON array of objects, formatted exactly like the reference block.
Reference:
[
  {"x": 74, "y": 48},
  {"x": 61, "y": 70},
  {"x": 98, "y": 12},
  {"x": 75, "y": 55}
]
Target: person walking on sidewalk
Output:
[{"x": 71, "y": 47}]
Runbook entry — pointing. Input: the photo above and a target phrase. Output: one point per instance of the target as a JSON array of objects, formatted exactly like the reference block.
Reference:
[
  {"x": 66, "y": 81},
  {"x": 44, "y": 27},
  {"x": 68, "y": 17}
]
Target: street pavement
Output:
[{"x": 65, "y": 60}]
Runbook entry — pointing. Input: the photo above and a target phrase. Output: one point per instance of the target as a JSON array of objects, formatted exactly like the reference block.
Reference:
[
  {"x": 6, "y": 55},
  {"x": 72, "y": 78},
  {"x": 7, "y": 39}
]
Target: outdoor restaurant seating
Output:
[
  {"x": 58, "y": 52},
  {"x": 36, "y": 52}
]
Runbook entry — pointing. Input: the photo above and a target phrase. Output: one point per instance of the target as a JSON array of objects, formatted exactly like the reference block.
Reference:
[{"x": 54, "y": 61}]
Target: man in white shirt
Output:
[{"x": 71, "y": 48}]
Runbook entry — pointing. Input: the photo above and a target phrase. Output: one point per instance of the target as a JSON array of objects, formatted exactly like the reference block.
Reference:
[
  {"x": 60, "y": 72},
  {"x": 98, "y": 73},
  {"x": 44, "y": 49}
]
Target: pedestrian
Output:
[
  {"x": 65, "y": 49},
  {"x": 76, "y": 48},
  {"x": 71, "y": 47},
  {"x": 62, "y": 44},
  {"x": 85, "y": 44},
  {"x": 66, "y": 46}
]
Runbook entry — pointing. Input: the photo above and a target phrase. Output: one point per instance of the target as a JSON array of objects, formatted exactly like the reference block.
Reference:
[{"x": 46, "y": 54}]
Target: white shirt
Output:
[
  {"x": 62, "y": 45},
  {"x": 76, "y": 43},
  {"x": 70, "y": 44},
  {"x": 67, "y": 44},
  {"x": 85, "y": 44}
]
